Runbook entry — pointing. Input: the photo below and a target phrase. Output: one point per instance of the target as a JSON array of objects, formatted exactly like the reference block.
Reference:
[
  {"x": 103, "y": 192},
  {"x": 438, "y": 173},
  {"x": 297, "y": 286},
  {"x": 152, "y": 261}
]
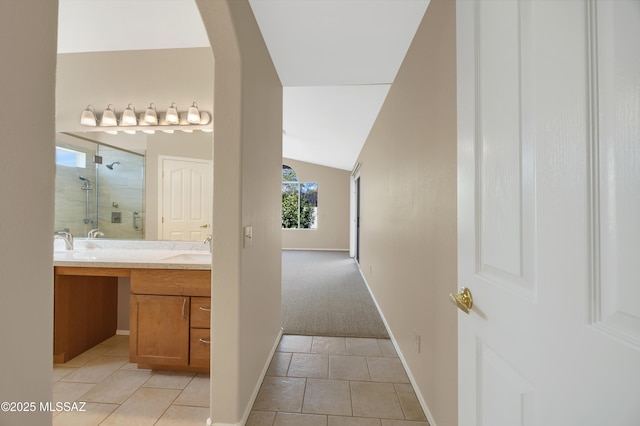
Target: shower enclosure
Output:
[{"x": 99, "y": 190}]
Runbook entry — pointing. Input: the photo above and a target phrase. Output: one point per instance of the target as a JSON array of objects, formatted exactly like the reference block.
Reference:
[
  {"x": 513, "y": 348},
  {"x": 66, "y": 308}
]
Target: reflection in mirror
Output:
[
  {"x": 133, "y": 193},
  {"x": 99, "y": 190}
]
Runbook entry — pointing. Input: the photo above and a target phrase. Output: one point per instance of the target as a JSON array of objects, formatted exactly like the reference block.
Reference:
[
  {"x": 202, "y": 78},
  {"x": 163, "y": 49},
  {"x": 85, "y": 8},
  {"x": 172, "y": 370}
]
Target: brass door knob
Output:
[{"x": 462, "y": 300}]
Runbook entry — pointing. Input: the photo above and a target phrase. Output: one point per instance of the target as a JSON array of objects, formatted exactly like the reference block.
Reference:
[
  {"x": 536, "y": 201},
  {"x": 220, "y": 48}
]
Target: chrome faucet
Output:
[
  {"x": 95, "y": 233},
  {"x": 67, "y": 237},
  {"x": 209, "y": 239}
]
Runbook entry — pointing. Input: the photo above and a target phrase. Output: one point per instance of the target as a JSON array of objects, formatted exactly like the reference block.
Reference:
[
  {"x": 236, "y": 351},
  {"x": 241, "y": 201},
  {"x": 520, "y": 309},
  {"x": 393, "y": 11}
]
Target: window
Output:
[
  {"x": 70, "y": 158},
  {"x": 299, "y": 201}
]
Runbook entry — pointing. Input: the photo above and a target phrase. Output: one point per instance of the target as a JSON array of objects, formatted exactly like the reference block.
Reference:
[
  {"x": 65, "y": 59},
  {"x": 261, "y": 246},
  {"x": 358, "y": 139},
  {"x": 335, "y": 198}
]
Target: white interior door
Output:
[
  {"x": 549, "y": 212},
  {"x": 185, "y": 198}
]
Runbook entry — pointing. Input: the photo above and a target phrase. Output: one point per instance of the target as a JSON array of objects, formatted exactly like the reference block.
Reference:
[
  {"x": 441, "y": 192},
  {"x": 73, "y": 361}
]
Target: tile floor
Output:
[
  {"x": 324, "y": 381},
  {"x": 118, "y": 393},
  {"x": 336, "y": 381}
]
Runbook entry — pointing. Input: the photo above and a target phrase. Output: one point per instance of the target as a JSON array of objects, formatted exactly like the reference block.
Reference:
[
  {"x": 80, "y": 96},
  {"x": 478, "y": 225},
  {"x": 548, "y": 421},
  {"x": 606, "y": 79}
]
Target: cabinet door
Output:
[{"x": 159, "y": 330}]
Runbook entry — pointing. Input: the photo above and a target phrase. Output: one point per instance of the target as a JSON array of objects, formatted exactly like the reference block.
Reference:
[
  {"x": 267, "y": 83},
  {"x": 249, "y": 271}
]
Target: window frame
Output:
[{"x": 295, "y": 183}]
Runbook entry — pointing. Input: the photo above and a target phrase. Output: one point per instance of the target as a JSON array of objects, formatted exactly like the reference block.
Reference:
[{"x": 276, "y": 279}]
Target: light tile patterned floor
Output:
[
  {"x": 336, "y": 381},
  {"x": 324, "y": 381},
  {"x": 118, "y": 393}
]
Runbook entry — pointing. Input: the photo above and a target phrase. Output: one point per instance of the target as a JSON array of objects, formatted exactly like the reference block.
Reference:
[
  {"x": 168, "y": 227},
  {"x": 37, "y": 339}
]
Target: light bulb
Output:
[
  {"x": 109, "y": 117},
  {"x": 193, "y": 115},
  {"x": 128, "y": 117},
  {"x": 172, "y": 114},
  {"x": 150, "y": 115},
  {"x": 88, "y": 117}
]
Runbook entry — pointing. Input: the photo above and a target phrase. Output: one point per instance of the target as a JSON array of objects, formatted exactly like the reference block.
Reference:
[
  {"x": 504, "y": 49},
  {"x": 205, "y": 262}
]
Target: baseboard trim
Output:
[
  {"x": 252, "y": 400},
  {"x": 314, "y": 249},
  {"x": 122, "y": 332},
  {"x": 421, "y": 400},
  {"x": 254, "y": 395}
]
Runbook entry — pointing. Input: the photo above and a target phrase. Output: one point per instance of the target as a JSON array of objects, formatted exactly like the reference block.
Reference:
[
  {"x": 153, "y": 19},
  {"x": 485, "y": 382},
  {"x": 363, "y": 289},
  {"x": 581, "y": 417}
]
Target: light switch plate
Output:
[{"x": 248, "y": 235}]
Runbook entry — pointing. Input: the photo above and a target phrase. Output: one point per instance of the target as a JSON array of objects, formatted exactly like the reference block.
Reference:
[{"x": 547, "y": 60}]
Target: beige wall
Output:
[
  {"x": 408, "y": 215},
  {"x": 27, "y": 178},
  {"x": 247, "y": 163},
  {"x": 139, "y": 77},
  {"x": 333, "y": 209}
]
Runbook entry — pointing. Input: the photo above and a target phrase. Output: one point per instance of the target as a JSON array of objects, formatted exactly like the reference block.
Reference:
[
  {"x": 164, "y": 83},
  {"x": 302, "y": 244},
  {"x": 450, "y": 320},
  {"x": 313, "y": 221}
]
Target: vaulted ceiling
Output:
[{"x": 335, "y": 58}]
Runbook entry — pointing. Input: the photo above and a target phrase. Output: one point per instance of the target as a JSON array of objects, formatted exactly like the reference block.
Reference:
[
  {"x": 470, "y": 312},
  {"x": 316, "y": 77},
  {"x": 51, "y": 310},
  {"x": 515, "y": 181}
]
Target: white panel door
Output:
[
  {"x": 185, "y": 199},
  {"x": 549, "y": 212}
]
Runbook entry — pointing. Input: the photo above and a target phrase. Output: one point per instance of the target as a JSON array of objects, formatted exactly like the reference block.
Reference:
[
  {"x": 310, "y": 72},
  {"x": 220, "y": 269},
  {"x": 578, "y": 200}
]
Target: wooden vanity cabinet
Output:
[
  {"x": 200, "y": 340},
  {"x": 170, "y": 317},
  {"x": 85, "y": 309}
]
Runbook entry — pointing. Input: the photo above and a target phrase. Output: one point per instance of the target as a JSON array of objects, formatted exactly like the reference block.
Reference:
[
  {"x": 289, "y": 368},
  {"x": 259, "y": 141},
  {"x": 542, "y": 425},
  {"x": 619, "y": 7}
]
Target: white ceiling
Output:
[
  {"x": 336, "y": 58},
  {"x": 109, "y": 25}
]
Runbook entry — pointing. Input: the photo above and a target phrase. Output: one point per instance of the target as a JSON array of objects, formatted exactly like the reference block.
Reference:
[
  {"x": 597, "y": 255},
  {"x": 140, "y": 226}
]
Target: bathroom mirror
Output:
[{"x": 118, "y": 193}]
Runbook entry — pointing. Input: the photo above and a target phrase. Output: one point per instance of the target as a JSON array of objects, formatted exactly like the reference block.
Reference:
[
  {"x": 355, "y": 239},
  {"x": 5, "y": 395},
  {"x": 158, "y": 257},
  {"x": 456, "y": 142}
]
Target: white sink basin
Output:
[{"x": 190, "y": 257}]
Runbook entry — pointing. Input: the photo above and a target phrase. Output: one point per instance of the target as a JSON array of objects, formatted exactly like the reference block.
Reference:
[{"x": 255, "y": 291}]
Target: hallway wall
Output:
[
  {"x": 408, "y": 211},
  {"x": 28, "y": 34},
  {"x": 247, "y": 156}
]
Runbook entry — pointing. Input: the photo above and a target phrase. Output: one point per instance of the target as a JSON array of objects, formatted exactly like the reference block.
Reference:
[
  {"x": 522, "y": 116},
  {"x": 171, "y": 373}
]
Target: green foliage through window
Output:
[{"x": 299, "y": 201}]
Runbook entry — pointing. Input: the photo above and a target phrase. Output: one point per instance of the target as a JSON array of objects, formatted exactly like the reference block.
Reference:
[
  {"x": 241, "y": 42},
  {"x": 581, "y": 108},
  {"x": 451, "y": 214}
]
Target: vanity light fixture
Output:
[
  {"x": 148, "y": 121},
  {"x": 109, "y": 117},
  {"x": 150, "y": 115},
  {"x": 142, "y": 123},
  {"x": 128, "y": 117},
  {"x": 162, "y": 121},
  {"x": 89, "y": 117},
  {"x": 205, "y": 117},
  {"x": 193, "y": 115},
  {"x": 172, "y": 116}
]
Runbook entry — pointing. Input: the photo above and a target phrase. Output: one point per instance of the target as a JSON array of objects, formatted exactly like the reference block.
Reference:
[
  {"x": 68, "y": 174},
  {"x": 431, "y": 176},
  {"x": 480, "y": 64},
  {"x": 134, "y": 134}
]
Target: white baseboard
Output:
[
  {"x": 122, "y": 332},
  {"x": 421, "y": 400},
  {"x": 314, "y": 249},
  {"x": 252, "y": 400}
]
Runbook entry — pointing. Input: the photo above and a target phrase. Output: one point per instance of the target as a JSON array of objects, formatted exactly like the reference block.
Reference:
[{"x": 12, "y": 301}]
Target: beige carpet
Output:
[{"x": 323, "y": 294}]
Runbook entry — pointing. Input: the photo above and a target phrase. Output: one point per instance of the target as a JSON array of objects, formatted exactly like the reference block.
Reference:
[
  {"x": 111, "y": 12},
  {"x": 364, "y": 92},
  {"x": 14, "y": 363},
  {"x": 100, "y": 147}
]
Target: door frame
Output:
[{"x": 354, "y": 223}]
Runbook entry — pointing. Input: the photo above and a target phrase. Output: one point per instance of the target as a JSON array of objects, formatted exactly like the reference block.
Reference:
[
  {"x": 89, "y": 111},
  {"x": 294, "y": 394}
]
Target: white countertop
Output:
[{"x": 155, "y": 255}]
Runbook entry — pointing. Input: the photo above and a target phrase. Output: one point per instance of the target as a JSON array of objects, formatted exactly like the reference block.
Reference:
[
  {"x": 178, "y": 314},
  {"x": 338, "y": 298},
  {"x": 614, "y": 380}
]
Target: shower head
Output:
[
  {"x": 110, "y": 166},
  {"x": 83, "y": 178}
]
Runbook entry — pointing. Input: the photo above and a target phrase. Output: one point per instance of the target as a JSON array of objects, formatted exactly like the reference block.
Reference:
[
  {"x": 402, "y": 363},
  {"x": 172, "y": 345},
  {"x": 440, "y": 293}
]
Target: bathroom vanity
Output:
[
  {"x": 170, "y": 318},
  {"x": 170, "y": 309}
]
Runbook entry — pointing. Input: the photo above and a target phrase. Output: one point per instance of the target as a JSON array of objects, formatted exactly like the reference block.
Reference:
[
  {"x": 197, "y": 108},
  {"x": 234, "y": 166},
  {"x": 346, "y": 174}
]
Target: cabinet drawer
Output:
[
  {"x": 175, "y": 282},
  {"x": 200, "y": 312},
  {"x": 200, "y": 347}
]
